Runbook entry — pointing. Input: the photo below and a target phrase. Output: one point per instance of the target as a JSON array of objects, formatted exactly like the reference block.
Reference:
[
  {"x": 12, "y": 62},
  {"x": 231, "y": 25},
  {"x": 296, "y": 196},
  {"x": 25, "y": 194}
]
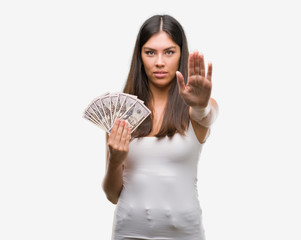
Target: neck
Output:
[
  {"x": 159, "y": 96},
  {"x": 159, "y": 99},
  {"x": 158, "y": 104}
]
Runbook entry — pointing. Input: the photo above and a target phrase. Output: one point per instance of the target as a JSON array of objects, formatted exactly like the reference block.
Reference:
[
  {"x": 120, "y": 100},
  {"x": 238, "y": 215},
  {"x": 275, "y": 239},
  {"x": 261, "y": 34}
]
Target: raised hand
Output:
[
  {"x": 197, "y": 91},
  {"x": 118, "y": 142}
]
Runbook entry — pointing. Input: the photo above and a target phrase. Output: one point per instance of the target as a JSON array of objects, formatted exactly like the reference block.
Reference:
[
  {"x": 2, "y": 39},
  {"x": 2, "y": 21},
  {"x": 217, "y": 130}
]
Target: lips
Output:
[{"x": 160, "y": 74}]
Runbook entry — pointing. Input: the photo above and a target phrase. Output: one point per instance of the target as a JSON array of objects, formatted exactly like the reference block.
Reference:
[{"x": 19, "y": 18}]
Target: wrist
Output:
[
  {"x": 204, "y": 116},
  {"x": 198, "y": 113},
  {"x": 114, "y": 165}
]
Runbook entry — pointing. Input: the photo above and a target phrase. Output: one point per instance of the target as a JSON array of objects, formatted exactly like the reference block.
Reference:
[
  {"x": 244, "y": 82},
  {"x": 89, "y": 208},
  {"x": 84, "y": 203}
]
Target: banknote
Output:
[
  {"x": 100, "y": 110},
  {"x": 106, "y": 103},
  {"x": 127, "y": 104},
  {"x": 120, "y": 100},
  {"x": 92, "y": 116},
  {"x": 136, "y": 115},
  {"x": 113, "y": 98},
  {"x": 104, "y": 110},
  {"x": 95, "y": 122}
]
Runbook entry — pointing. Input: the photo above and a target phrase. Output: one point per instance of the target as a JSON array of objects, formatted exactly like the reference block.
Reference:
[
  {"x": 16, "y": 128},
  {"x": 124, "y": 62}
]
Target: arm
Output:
[
  {"x": 201, "y": 119},
  {"x": 117, "y": 150},
  {"x": 203, "y": 109}
]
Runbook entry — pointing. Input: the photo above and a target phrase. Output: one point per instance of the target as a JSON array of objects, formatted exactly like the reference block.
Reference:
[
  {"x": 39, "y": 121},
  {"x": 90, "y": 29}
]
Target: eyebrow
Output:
[{"x": 152, "y": 49}]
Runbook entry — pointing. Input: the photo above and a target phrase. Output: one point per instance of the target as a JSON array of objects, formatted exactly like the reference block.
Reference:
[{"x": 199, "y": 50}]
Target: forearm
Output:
[
  {"x": 117, "y": 150},
  {"x": 113, "y": 182}
]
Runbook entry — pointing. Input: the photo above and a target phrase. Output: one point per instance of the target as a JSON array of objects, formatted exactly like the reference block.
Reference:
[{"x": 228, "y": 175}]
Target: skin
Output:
[
  {"x": 117, "y": 150},
  {"x": 196, "y": 93},
  {"x": 159, "y": 54}
]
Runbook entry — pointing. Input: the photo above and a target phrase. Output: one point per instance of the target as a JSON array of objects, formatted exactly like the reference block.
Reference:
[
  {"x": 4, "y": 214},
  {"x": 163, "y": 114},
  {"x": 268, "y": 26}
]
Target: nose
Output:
[{"x": 160, "y": 61}]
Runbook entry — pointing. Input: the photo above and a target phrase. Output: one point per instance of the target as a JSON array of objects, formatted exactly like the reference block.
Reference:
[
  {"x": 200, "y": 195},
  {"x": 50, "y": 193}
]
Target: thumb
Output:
[{"x": 180, "y": 80}]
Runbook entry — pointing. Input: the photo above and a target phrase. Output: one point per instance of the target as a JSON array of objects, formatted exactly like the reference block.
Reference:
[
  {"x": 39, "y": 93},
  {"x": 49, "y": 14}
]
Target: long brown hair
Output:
[{"x": 176, "y": 117}]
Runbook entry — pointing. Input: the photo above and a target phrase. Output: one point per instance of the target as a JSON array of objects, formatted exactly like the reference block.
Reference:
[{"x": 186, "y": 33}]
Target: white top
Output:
[{"x": 159, "y": 199}]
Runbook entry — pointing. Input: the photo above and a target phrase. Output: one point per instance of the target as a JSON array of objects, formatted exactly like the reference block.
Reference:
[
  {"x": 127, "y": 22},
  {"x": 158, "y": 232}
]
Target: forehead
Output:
[{"x": 160, "y": 40}]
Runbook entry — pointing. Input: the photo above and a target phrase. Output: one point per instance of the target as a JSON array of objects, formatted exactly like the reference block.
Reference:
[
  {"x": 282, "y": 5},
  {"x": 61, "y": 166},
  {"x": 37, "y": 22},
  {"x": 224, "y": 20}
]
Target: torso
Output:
[{"x": 159, "y": 199}]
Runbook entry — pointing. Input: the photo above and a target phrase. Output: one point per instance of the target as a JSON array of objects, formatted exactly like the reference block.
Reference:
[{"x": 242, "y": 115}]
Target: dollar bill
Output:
[
  {"x": 127, "y": 104},
  {"x": 92, "y": 116},
  {"x": 106, "y": 103},
  {"x": 113, "y": 98},
  {"x": 120, "y": 100},
  {"x": 95, "y": 111},
  {"x": 100, "y": 112},
  {"x": 94, "y": 121},
  {"x": 136, "y": 115},
  {"x": 104, "y": 110}
]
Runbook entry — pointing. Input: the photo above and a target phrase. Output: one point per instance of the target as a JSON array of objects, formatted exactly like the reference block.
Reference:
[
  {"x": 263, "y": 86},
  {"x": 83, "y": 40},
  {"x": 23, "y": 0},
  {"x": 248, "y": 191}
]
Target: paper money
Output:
[
  {"x": 106, "y": 103},
  {"x": 136, "y": 115},
  {"x": 99, "y": 111},
  {"x": 120, "y": 100},
  {"x": 113, "y": 98},
  {"x": 93, "y": 121},
  {"x": 127, "y": 104},
  {"x": 104, "y": 110},
  {"x": 91, "y": 116}
]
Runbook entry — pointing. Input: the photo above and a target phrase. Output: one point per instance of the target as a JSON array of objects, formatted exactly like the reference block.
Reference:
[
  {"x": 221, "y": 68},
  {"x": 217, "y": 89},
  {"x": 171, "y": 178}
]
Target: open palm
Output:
[{"x": 197, "y": 91}]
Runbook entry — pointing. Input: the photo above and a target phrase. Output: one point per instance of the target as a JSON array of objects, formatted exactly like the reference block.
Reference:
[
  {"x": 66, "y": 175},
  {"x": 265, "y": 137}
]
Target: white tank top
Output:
[{"x": 159, "y": 199}]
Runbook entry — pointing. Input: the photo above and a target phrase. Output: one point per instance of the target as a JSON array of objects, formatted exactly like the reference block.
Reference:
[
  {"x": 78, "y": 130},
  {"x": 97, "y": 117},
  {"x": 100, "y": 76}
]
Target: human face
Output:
[{"x": 160, "y": 57}]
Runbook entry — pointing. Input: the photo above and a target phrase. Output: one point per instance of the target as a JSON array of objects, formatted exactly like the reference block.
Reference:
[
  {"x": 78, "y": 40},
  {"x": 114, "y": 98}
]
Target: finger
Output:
[
  {"x": 180, "y": 80},
  {"x": 202, "y": 65},
  {"x": 190, "y": 65},
  {"x": 127, "y": 142},
  {"x": 209, "y": 72},
  {"x": 119, "y": 132},
  {"x": 124, "y": 134},
  {"x": 197, "y": 65},
  {"x": 114, "y": 129}
]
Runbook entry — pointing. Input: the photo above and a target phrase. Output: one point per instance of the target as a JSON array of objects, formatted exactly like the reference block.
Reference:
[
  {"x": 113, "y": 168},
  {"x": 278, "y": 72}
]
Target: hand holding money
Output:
[
  {"x": 118, "y": 142},
  {"x": 104, "y": 110}
]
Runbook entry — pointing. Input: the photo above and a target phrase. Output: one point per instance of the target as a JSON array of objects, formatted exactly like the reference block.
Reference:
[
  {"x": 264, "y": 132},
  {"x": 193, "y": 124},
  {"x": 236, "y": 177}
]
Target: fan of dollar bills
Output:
[{"x": 104, "y": 110}]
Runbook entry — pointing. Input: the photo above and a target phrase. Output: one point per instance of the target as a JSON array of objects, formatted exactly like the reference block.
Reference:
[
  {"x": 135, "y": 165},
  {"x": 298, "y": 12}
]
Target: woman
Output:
[{"x": 151, "y": 174}]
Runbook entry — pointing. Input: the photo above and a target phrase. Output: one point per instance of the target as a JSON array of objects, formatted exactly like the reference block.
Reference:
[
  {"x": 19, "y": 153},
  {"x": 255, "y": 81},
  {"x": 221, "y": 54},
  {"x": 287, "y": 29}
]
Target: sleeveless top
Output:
[{"x": 159, "y": 199}]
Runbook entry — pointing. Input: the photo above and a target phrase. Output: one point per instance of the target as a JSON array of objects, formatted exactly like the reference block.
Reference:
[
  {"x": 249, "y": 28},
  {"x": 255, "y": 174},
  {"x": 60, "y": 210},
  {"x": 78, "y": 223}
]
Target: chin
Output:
[{"x": 162, "y": 86}]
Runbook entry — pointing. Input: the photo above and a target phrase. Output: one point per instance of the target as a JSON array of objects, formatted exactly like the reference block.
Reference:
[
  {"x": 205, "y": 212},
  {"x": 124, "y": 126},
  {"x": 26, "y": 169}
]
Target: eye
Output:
[
  {"x": 149, "y": 53},
  {"x": 169, "y": 52}
]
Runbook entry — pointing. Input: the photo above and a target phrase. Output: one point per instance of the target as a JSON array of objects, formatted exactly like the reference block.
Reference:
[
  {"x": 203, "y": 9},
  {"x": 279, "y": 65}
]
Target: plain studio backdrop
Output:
[{"x": 56, "y": 56}]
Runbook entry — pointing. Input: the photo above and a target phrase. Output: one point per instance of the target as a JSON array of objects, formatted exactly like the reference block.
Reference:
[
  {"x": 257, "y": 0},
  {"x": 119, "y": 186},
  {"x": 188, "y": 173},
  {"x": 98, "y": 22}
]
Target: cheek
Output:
[
  {"x": 174, "y": 64},
  {"x": 147, "y": 67}
]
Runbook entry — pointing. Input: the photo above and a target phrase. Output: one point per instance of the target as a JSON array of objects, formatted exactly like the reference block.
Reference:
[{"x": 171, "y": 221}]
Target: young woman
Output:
[{"x": 151, "y": 174}]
